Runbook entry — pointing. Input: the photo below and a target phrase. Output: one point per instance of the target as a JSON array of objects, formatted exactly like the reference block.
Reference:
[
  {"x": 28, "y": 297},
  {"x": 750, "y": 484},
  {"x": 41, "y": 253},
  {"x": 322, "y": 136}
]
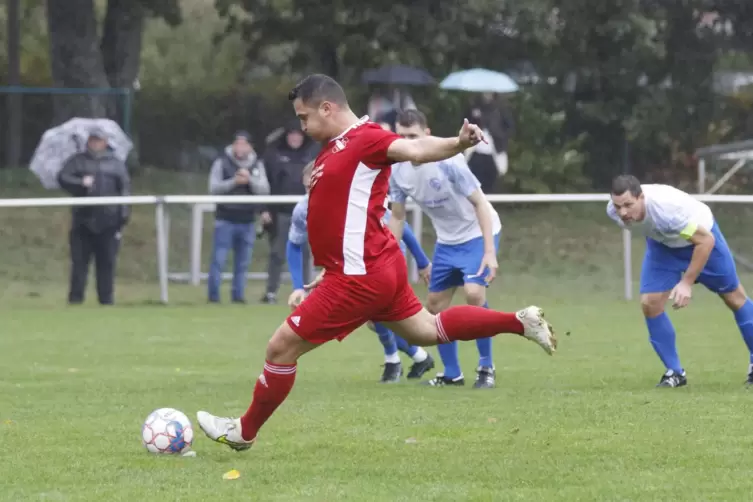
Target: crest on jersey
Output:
[
  {"x": 436, "y": 184},
  {"x": 340, "y": 145},
  {"x": 316, "y": 173}
]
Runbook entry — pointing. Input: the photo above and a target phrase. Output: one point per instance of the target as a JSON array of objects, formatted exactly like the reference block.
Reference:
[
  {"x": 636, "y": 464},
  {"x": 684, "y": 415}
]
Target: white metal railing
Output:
[{"x": 162, "y": 222}]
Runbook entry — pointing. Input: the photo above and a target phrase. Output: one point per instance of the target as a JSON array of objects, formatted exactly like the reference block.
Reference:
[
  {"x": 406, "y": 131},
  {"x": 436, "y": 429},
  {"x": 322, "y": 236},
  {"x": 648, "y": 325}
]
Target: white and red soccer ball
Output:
[{"x": 167, "y": 430}]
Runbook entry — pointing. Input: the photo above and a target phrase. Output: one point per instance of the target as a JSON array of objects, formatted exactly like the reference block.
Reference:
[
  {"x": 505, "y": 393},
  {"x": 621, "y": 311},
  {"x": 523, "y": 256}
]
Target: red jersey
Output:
[{"x": 349, "y": 185}]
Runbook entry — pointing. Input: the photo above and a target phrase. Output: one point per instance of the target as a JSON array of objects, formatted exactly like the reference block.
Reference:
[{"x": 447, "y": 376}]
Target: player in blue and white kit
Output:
[
  {"x": 297, "y": 237},
  {"x": 684, "y": 245},
  {"x": 468, "y": 230}
]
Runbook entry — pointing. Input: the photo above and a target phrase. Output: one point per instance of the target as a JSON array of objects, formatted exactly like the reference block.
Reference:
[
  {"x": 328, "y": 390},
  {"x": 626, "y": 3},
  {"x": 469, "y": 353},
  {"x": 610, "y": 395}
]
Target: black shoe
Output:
[
  {"x": 672, "y": 379},
  {"x": 391, "y": 373},
  {"x": 417, "y": 370},
  {"x": 442, "y": 381},
  {"x": 269, "y": 298},
  {"x": 748, "y": 382},
  {"x": 239, "y": 301},
  {"x": 484, "y": 378}
]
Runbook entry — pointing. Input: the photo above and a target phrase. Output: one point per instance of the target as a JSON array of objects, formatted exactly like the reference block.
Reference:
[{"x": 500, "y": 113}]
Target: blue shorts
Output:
[
  {"x": 663, "y": 266},
  {"x": 457, "y": 264}
]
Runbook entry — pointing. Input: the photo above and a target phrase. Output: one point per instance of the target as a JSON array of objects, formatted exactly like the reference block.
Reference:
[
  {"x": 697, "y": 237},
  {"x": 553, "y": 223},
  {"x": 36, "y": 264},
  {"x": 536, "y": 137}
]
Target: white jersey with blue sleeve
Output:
[
  {"x": 672, "y": 216},
  {"x": 298, "y": 233},
  {"x": 442, "y": 189}
]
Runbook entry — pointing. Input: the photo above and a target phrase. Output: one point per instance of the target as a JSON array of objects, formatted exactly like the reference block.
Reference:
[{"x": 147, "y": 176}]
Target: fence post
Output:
[
  {"x": 627, "y": 253},
  {"x": 161, "y": 225}
]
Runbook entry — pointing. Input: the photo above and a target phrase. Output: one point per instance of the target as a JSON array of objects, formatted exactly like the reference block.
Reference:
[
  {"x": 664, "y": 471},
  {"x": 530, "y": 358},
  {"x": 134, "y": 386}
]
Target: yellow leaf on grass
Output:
[{"x": 234, "y": 474}]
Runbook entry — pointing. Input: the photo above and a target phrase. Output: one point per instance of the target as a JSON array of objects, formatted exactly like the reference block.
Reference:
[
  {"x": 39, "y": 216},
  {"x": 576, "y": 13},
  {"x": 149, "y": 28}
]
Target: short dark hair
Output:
[
  {"x": 626, "y": 183},
  {"x": 407, "y": 118},
  {"x": 317, "y": 88}
]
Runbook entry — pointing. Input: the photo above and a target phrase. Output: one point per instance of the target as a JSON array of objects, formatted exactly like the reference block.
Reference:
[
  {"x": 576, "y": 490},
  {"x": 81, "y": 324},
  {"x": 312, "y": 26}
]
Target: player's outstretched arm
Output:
[
  {"x": 703, "y": 244},
  {"x": 434, "y": 149},
  {"x": 414, "y": 246}
]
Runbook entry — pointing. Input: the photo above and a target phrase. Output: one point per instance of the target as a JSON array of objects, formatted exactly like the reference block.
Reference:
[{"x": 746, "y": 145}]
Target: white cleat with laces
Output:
[
  {"x": 223, "y": 430},
  {"x": 537, "y": 329}
]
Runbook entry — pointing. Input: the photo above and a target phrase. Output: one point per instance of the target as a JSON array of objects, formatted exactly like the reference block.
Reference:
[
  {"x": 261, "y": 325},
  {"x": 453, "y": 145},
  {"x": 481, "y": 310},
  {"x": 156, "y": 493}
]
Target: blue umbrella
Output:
[{"x": 479, "y": 80}]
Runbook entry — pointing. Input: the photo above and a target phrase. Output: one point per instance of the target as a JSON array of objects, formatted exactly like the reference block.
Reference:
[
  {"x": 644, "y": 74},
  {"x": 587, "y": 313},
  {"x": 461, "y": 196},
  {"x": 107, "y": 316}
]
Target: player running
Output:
[
  {"x": 684, "y": 245},
  {"x": 393, "y": 368},
  {"x": 467, "y": 229},
  {"x": 365, "y": 275}
]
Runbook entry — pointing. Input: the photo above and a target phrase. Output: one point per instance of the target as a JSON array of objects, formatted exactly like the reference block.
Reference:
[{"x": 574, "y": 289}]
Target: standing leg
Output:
[
  {"x": 278, "y": 241},
  {"x": 81, "y": 251},
  {"x": 660, "y": 272},
  {"x": 393, "y": 368},
  {"x": 437, "y": 302},
  {"x": 106, "y": 249},
  {"x": 469, "y": 257},
  {"x": 742, "y": 307},
  {"x": 244, "y": 236},
  {"x": 223, "y": 239}
]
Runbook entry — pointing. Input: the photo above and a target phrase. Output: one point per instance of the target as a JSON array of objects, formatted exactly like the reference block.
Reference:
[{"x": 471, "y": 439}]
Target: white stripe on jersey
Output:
[{"x": 356, "y": 219}]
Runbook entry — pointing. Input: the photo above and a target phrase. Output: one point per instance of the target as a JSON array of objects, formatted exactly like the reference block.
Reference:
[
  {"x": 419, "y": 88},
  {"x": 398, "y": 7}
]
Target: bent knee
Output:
[
  {"x": 735, "y": 299},
  {"x": 475, "y": 294},
  {"x": 285, "y": 346},
  {"x": 371, "y": 326},
  {"x": 437, "y": 302},
  {"x": 652, "y": 304}
]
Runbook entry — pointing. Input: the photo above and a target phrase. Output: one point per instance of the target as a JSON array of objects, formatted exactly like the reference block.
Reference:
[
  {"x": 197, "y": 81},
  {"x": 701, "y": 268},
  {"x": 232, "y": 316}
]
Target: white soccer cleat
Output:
[
  {"x": 223, "y": 430},
  {"x": 536, "y": 329}
]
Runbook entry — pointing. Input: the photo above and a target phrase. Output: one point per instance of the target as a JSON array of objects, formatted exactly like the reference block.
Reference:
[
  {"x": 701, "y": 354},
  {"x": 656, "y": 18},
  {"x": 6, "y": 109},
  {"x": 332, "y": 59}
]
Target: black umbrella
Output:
[{"x": 397, "y": 75}]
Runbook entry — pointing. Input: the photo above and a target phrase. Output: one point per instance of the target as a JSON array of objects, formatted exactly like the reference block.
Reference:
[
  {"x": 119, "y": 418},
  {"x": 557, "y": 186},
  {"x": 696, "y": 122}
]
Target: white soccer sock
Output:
[
  {"x": 392, "y": 358},
  {"x": 420, "y": 355}
]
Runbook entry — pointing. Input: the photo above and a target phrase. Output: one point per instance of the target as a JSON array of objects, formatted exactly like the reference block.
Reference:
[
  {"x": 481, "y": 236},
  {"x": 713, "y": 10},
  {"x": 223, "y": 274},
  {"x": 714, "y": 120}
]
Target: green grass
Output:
[{"x": 586, "y": 424}]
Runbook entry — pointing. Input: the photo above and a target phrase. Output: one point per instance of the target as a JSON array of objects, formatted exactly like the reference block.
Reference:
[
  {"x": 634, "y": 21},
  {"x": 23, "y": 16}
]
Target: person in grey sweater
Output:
[
  {"x": 237, "y": 171},
  {"x": 95, "y": 230}
]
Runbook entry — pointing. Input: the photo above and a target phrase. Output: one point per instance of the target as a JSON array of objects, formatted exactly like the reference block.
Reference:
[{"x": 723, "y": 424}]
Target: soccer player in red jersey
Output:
[{"x": 365, "y": 275}]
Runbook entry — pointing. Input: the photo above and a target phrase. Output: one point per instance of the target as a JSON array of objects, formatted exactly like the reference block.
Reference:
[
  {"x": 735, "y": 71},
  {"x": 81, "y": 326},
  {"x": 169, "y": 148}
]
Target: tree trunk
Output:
[
  {"x": 121, "y": 41},
  {"x": 76, "y": 59},
  {"x": 14, "y": 110}
]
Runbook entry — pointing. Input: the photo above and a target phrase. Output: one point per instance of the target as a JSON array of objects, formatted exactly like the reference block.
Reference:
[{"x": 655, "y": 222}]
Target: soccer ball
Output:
[{"x": 167, "y": 430}]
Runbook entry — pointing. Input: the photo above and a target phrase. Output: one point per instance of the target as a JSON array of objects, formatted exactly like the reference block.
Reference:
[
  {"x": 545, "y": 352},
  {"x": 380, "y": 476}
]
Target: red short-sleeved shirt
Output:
[{"x": 349, "y": 186}]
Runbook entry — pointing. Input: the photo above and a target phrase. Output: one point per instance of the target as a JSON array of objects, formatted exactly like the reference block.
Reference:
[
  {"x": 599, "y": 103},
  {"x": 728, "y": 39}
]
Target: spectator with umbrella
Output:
[{"x": 95, "y": 230}]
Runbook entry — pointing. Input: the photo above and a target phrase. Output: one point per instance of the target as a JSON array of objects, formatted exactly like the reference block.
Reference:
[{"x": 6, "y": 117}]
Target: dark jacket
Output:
[
  {"x": 497, "y": 119},
  {"x": 110, "y": 180},
  {"x": 221, "y": 183},
  {"x": 285, "y": 167}
]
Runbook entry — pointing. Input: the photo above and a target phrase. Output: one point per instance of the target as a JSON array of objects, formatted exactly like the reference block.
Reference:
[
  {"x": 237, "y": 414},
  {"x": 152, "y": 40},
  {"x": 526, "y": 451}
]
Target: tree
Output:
[{"x": 80, "y": 59}]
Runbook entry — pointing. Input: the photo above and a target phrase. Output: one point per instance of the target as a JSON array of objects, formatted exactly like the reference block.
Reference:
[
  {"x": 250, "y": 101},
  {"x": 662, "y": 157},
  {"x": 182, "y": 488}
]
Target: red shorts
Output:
[{"x": 342, "y": 303}]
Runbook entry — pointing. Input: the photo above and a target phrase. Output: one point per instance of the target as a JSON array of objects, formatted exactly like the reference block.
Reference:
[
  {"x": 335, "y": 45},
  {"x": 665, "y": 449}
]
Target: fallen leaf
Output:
[
  {"x": 491, "y": 420},
  {"x": 234, "y": 474}
]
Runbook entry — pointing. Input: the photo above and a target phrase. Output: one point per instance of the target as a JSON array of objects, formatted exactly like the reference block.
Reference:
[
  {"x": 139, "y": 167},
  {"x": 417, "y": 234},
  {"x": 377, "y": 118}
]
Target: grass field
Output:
[{"x": 586, "y": 424}]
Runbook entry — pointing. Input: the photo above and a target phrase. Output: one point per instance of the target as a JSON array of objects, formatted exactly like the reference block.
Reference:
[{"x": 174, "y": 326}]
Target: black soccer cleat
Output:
[
  {"x": 392, "y": 373},
  {"x": 269, "y": 298},
  {"x": 442, "y": 381},
  {"x": 485, "y": 378},
  {"x": 672, "y": 379},
  {"x": 749, "y": 381},
  {"x": 417, "y": 370}
]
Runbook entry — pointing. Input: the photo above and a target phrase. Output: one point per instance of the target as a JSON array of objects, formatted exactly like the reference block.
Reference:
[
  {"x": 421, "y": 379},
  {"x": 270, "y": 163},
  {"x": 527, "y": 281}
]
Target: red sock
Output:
[
  {"x": 466, "y": 322},
  {"x": 271, "y": 389}
]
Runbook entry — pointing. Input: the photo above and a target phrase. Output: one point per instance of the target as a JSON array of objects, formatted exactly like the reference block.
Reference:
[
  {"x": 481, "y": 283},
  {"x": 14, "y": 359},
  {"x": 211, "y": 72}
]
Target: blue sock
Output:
[
  {"x": 387, "y": 338},
  {"x": 662, "y": 336},
  {"x": 404, "y": 346},
  {"x": 744, "y": 318},
  {"x": 484, "y": 346},
  {"x": 448, "y": 352}
]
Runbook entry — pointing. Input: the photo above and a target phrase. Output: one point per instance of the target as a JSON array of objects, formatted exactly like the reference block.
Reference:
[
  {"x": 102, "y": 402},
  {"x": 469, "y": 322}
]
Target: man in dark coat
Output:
[
  {"x": 95, "y": 230},
  {"x": 284, "y": 159}
]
